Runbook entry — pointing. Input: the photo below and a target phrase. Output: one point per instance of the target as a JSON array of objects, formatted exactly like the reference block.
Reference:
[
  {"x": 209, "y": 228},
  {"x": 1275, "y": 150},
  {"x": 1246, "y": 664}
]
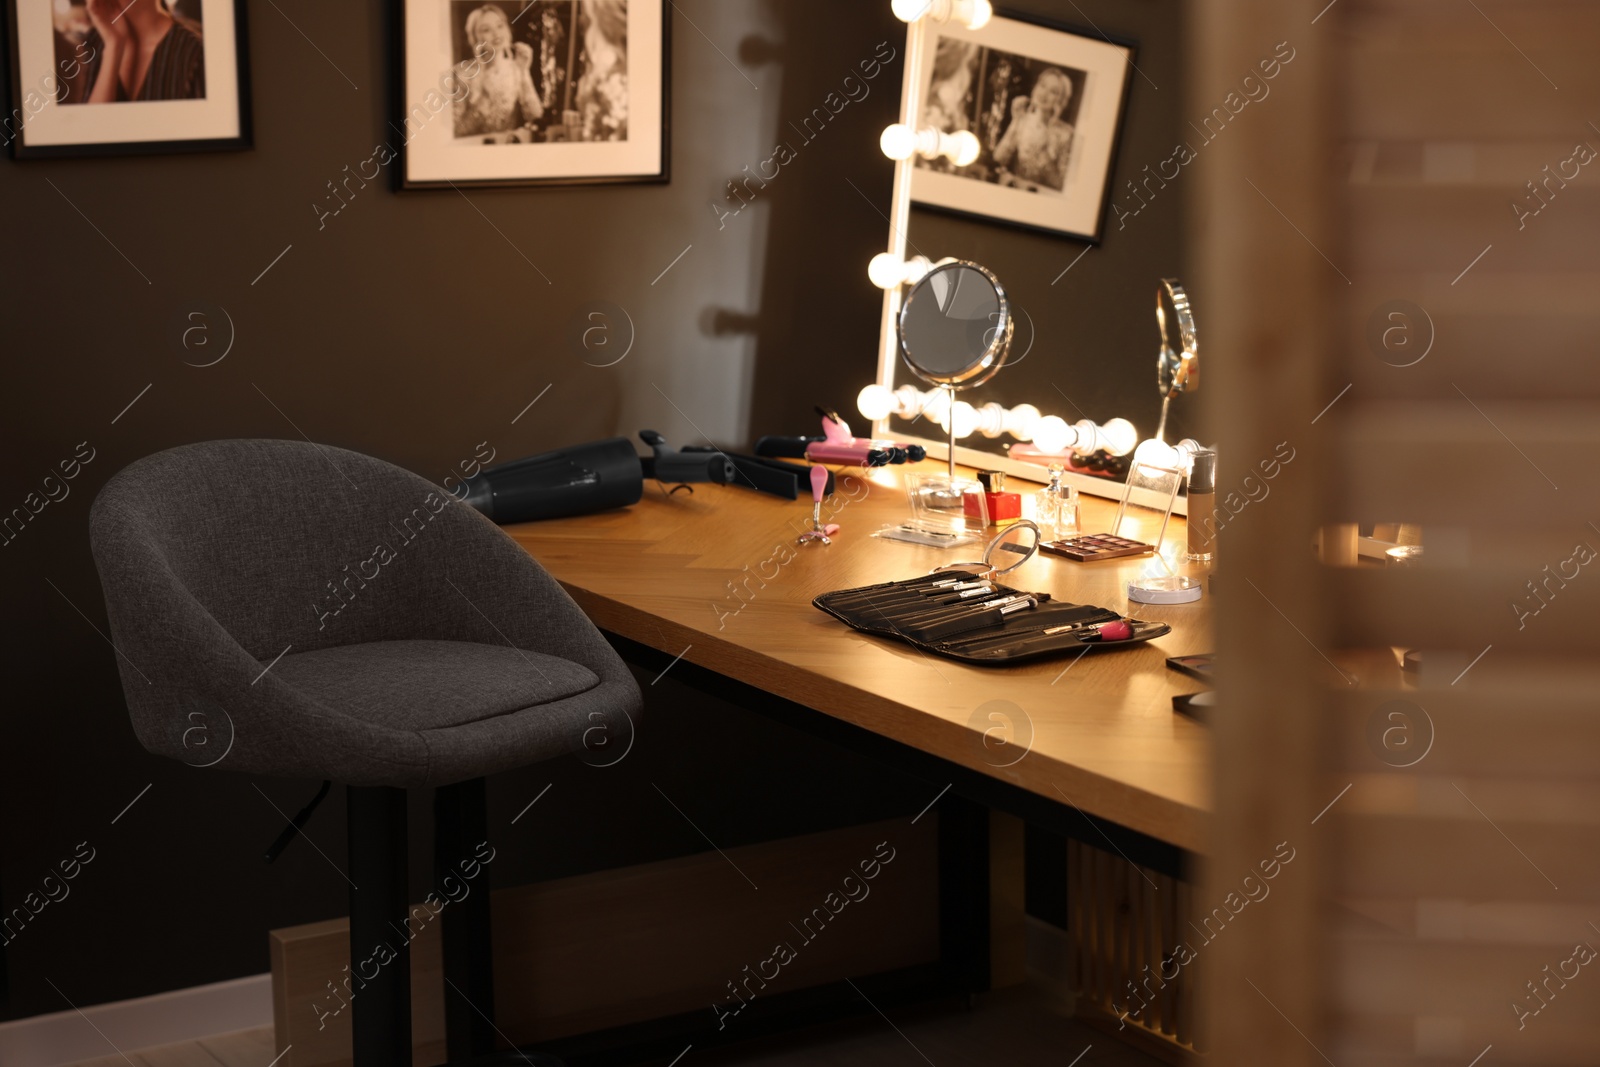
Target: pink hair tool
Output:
[
  {"x": 838, "y": 445},
  {"x": 818, "y": 532}
]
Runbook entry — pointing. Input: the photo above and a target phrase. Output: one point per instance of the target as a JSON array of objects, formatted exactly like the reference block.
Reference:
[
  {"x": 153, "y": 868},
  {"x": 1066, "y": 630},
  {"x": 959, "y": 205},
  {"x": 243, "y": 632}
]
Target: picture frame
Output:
[
  {"x": 193, "y": 97},
  {"x": 1044, "y": 167},
  {"x": 498, "y": 93}
]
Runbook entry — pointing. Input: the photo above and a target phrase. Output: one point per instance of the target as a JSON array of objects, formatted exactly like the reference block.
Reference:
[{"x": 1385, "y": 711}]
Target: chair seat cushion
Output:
[{"x": 431, "y": 685}]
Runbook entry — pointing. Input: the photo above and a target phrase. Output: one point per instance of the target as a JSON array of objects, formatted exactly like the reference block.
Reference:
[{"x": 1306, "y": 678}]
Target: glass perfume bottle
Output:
[{"x": 1056, "y": 507}]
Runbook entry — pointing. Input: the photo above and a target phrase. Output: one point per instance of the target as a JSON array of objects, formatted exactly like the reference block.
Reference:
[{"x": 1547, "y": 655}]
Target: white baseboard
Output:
[{"x": 163, "y": 1019}]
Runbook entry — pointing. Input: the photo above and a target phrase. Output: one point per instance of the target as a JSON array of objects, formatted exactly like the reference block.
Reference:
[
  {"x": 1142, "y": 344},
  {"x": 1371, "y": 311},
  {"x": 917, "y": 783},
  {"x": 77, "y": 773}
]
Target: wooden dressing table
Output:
[{"x": 712, "y": 586}]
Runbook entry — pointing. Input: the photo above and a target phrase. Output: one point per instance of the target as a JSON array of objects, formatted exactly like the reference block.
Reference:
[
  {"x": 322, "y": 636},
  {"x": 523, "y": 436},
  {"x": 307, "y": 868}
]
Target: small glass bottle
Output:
[
  {"x": 1202, "y": 498},
  {"x": 1056, "y": 507}
]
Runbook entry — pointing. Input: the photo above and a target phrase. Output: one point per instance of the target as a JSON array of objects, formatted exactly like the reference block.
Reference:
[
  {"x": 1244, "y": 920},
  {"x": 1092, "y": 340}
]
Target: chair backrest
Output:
[
  {"x": 218, "y": 558},
  {"x": 283, "y": 542}
]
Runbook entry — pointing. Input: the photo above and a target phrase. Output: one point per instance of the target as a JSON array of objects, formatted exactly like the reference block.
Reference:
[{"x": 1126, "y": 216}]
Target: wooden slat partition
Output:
[
  {"x": 1264, "y": 292},
  {"x": 1447, "y": 822},
  {"x": 1125, "y": 922}
]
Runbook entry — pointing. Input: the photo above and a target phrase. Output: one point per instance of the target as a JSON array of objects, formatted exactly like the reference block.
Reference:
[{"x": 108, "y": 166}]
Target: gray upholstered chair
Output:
[{"x": 344, "y": 619}]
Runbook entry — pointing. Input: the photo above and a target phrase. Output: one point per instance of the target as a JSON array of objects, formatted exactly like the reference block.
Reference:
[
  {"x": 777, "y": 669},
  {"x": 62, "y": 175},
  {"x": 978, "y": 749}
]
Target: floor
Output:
[
  {"x": 247, "y": 1048},
  {"x": 1017, "y": 1028}
]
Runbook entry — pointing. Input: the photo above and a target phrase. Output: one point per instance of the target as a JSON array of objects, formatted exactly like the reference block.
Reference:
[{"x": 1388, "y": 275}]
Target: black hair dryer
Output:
[{"x": 586, "y": 478}]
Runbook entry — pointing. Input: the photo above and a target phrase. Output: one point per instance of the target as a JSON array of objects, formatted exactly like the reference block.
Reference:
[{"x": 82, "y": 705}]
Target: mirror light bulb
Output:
[
  {"x": 1118, "y": 437},
  {"x": 885, "y": 270},
  {"x": 875, "y": 402},
  {"x": 910, "y": 401},
  {"x": 966, "y": 418},
  {"x": 1052, "y": 434},
  {"x": 1156, "y": 453},
  {"x": 992, "y": 419},
  {"x": 1022, "y": 421},
  {"x": 910, "y": 10},
  {"x": 963, "y": 148},
  {"x": 899, "y": 141},
  {"x": 975, "y": 13}
]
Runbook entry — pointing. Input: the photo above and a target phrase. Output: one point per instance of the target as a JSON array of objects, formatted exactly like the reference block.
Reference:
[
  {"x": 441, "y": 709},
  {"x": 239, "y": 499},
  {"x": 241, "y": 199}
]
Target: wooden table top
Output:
[{"x": 718, "y": 577}]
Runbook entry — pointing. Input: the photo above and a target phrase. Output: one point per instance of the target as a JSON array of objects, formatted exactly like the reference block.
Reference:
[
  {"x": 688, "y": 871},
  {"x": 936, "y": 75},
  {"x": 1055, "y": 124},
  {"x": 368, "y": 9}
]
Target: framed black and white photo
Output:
[
  {"x": 1046, "y": 106},
  {"x": 532, "y": 92},
  {"x": 103, "y": 77}
]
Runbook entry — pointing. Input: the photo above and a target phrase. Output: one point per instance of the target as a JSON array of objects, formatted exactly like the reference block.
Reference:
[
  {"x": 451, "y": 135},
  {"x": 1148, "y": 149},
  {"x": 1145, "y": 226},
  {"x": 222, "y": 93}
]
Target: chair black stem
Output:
[
  {"x": 461, "y": 824},
  {"x": 380, "y": 958}
]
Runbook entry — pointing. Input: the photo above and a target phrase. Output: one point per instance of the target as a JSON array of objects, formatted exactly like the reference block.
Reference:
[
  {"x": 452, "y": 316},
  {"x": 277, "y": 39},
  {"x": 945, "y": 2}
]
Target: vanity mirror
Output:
[
  {"x": 1076, "y": 390},
  {"x": 955, "y": 332},
  {"x": 1177, "y": 369}
]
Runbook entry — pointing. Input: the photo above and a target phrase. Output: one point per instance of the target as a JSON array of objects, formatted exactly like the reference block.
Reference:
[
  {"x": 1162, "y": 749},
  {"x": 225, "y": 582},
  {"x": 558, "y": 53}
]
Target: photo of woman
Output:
[
  {"x": 1033, "y": 152},
  {"x": 602, "y": 95},
  {"x": 139, "y": 50},
  {"x": 534, "y": 92},
  {"x": 541, "y": 71},
  {"x": 500, "y": 104},
  {"x": 176, "y": 71}
]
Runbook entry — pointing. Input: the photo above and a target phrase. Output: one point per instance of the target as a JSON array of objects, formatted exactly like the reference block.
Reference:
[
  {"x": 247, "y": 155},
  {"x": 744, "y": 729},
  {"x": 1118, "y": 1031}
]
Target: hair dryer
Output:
[{"x": 586, "y": 478}]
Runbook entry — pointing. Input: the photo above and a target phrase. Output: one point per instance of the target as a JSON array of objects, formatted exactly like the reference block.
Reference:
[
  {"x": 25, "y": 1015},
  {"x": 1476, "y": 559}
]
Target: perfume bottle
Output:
[
  {"x": 1000, "y": 505},
  {"x": 1056, "y": 507}
]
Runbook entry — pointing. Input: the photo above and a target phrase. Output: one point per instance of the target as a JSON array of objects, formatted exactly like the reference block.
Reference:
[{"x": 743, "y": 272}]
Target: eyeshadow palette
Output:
[{"x": 1087, "y": 548}]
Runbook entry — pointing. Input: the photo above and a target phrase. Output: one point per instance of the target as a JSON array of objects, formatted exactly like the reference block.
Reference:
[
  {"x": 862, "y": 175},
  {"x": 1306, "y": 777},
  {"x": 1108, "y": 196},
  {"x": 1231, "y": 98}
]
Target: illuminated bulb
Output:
[
  {"x": 1118, "y": 437},
  {"x": 875, "y": 402},
  {"x": 899, "y": 141},
  {"x": 910, "y": 10},
  {"x": 910, "y": 401},
  {"x": 937, "y": 407},
  {"x": 888, "y": 271},
  {"x": 992, "y": 419},
  {"x": 962, "y": 148},
  {"x": 975, "y": 14},
  {"x": 1052, "y": 434},
  {"x": 966, "y": 417},
  {"x": 885, "y": 270},
  {"x": 1153, "y": 453},
  {"x": 1021, "y": 421}
]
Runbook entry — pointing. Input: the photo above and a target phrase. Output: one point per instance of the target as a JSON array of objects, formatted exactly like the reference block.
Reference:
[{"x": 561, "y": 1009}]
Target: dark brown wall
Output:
[{"x": 412, "y": 327}]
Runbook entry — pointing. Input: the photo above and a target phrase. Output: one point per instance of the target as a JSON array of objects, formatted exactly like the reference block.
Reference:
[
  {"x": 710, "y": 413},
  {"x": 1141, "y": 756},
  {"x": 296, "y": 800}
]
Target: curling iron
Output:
[{"x": 838, "y": 445}]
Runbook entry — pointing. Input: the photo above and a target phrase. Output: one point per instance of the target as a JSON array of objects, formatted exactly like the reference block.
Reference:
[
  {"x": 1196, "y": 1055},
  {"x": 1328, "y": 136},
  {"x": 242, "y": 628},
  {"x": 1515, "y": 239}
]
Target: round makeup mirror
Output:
[
  {"x": 955, "y": 331},
  {"x": 1006, "y": 551},
  {"x": 1177, "y": 368}
]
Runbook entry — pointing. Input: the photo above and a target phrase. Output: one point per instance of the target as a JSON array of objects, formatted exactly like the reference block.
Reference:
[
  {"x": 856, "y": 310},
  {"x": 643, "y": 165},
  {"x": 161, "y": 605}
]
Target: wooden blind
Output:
[{"x": 1402, "y": 260}]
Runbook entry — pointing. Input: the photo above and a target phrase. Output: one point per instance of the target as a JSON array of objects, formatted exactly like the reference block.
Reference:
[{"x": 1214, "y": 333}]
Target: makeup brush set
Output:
[{"x": 964, "y": 616}]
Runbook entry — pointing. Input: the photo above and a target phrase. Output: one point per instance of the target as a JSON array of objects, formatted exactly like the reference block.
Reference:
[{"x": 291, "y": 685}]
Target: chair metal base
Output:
[
  {"x": 381, "y": 928},
  {"x": 380, "y": 957},
  {"x": 461, "y": 825}
]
